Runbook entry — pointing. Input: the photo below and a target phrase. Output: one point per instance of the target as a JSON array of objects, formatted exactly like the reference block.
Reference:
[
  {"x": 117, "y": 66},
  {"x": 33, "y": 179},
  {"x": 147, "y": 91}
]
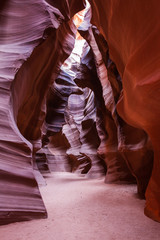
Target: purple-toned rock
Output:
[{"x": 35, "y": 40}]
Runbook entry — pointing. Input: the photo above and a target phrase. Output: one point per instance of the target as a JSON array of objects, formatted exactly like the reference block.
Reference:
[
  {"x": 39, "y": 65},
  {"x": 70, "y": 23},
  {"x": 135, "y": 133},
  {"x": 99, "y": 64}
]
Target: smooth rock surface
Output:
[
  {"x": 114, "y": 79},
  {"x": 34, "y": 38},
  {"x": 132, "y": 31}
]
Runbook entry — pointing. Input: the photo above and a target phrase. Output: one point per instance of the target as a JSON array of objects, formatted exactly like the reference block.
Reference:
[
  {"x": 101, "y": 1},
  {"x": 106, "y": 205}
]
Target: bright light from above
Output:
[{"x": 75, "y": 57}]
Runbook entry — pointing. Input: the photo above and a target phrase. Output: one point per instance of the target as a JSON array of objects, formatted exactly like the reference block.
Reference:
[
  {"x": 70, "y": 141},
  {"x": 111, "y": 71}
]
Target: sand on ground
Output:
[{"x": 80, "y": 208}]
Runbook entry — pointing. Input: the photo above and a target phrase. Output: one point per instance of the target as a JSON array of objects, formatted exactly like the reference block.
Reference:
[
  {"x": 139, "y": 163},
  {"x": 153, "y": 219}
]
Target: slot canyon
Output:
[{"x": 79, "y": 119}]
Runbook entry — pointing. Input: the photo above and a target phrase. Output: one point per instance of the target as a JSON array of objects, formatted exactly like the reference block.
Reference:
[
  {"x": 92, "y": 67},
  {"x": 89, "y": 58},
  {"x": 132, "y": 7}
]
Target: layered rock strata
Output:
[
  {"x": 116, "y": 80},
  {"x": 133, "y": 39},
  {"x": 35, "y": 40},
  {"x": 72, "y": 108}
]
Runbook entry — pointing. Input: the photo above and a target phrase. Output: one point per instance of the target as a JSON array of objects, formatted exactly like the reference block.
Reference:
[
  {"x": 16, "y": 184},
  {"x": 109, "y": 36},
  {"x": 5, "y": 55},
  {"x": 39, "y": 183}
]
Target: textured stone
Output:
[
  {"x": 73, "y": 104},
  {"x": 35, "y": 39},
  {"x": 133, "y": 39},
  {"x": 63, "y": 107}
]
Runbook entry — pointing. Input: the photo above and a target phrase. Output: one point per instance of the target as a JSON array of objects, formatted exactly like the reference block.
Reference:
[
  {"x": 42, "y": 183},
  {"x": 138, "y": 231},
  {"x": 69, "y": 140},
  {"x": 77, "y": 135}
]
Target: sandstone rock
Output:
[
  {"x": 133, "y": 40},
  {"x": 35, "y": 40}
]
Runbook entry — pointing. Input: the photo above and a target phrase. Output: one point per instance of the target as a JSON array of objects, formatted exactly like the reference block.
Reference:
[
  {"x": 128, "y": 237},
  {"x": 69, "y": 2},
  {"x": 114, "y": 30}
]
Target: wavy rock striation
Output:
[
  {"x": 123, "y": 142},
  {"x": 61, "y": 105},
  {"x": 73, "y": 113},
  {"x": 133, "y": 39},
  {"x": 35, "y": 39}
]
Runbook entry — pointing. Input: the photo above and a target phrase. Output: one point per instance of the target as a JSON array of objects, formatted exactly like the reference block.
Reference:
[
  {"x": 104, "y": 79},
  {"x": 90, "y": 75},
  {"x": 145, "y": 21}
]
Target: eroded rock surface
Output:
[
  {"x": 73, "y": 111},
  {"x": 35, "y": 40},
  {"x": 133, "y": 39},
  {"x": 54, "y": 113}
]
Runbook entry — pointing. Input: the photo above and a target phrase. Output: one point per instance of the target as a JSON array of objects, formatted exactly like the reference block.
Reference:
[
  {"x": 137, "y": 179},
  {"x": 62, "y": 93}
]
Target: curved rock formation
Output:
[
  {"x": 45, "y": 103},
  {"x": 27, "y": 71},
  {"x": 133, "y": 39},
  {"x": 72, "y": 107},
  {"x": 123, "y": 142}
]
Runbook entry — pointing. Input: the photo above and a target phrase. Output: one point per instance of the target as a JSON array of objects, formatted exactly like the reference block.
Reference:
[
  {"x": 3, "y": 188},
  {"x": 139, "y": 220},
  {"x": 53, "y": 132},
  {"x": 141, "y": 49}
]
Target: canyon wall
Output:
[
  {"x": 102, "y": 107},
  {"x": 132, "y": 31},
  {"x": 36, "y": 37}
]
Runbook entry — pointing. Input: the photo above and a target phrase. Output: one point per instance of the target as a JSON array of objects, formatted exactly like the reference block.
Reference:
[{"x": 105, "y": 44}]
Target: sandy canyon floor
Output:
[{"x": 80, "y": 208}]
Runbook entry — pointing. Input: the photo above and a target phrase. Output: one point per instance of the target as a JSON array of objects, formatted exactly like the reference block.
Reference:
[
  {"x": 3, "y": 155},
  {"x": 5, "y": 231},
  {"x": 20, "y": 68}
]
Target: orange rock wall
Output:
[{"x": 132, "y": 31}]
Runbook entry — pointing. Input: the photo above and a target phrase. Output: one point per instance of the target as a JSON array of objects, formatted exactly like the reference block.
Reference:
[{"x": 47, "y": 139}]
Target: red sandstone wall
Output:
[{"x": 132, "y": 31}]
